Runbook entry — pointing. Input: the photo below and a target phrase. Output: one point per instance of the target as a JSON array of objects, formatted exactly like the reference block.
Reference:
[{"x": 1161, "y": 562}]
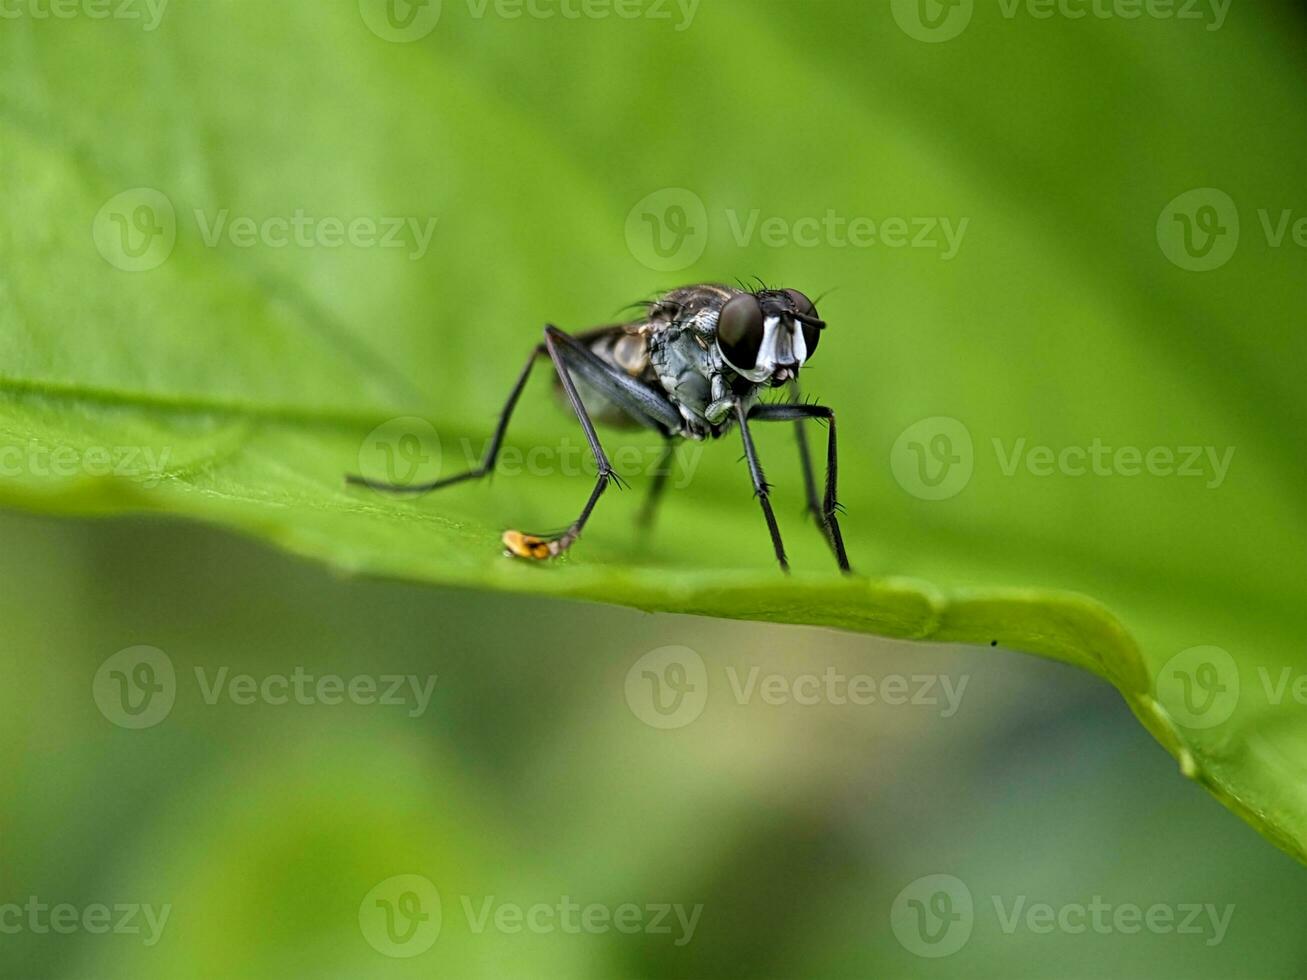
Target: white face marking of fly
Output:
[
  {"x": 800, "y": 345},
  {"x": 782, "y": 343}
]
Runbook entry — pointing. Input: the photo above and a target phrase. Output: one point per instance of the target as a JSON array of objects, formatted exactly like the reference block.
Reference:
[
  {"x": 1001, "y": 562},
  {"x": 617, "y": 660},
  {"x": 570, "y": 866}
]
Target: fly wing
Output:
[{"x": 625, "y": 346}]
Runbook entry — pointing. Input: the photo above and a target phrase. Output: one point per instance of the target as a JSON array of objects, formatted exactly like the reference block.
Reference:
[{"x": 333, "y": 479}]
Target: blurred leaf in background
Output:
[
  {"x": 794, "y": 817},
  {"x": 246, "y": 248}
]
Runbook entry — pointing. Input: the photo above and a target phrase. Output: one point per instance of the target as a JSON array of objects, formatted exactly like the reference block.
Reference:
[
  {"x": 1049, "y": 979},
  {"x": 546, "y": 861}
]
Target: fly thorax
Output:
[{"x": 683, "y": 365}]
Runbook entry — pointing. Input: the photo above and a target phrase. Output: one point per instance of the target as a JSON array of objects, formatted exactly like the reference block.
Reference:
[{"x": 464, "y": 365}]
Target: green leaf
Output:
[{"x": 230, "y": 375}]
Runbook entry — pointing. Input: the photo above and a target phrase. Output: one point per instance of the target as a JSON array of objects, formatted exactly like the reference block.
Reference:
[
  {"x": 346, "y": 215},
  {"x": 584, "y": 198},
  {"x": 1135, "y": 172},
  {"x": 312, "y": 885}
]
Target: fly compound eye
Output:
[
  {"x": 739, "y": 332},
  {"x": 804, "y": 308}
]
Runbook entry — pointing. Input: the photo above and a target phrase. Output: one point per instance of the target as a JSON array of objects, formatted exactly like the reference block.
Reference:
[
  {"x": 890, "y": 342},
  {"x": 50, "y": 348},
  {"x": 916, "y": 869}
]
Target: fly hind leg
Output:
[
  {"x": 487, "y": 465},
  {"x": 640, "y": 402},
  {"x": 662, "y": 470}
]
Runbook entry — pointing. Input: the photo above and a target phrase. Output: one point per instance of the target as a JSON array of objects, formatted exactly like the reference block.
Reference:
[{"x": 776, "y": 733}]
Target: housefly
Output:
[{"x": 692, "y": 367}]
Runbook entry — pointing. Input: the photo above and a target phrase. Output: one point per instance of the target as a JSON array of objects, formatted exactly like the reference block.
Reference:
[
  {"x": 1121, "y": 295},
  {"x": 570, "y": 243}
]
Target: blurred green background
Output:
[
  {"x": 806, "y": 834},
  {"x": 529, "y": 777}
]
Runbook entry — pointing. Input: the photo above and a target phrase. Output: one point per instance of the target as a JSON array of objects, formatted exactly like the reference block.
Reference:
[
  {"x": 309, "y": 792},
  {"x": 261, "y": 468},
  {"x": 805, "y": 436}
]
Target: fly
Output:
[{"x": 693, "y": 367}]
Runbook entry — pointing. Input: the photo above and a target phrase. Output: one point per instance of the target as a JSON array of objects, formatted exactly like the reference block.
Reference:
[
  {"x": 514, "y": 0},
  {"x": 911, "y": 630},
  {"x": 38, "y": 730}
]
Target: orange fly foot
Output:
[{"x": 529, "y": 546}]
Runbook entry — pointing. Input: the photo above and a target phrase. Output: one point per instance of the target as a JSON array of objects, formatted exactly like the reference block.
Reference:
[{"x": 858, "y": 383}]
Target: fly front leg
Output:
[
  {"x": 761, "y": 489},
  {"x": 570, "y": 356},
  {"x": 829, "y": 504},
  {"x": 805, "y": 463}
]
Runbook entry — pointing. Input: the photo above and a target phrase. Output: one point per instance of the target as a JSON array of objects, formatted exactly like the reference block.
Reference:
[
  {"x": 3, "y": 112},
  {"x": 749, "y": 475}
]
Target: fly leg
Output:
[
  {"x": 662, "y": 470},
  {"x": 761, "y": 489},
  {"x": 809, "y": 478},
  {"x": 492, "y": 451},
  {"x": 571, "y": 356},
  {"x": 805, "y": 463},
  {"x": 829, "y": 504}
]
